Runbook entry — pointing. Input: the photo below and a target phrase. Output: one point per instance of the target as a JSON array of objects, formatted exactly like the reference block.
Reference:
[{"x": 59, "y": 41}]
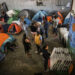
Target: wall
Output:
[
  {"x": 49, "y": 5},
  {"x": 73, "y": 8}
]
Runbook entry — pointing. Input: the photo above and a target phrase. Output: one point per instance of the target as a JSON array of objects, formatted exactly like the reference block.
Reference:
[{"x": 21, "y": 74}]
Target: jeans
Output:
[{"x": 46, "y": 33}]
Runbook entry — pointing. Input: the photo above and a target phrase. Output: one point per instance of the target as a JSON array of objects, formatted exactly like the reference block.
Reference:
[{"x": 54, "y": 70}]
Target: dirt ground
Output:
[{"x": 17, "y": 63}]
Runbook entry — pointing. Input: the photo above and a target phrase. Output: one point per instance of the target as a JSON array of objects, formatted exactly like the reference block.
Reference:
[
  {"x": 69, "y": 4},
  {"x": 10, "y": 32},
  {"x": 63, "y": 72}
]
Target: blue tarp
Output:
[
  {"x": 2, "y": 56},
  {"x": 71, "y": 32},
  {"x": 39, "y": 16},
  {"x": 28, "y": 22}
]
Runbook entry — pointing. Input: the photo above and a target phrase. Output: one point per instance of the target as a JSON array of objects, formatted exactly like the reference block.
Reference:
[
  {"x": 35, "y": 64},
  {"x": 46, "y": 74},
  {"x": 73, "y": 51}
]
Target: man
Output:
[{"x": 46, "y": 25}]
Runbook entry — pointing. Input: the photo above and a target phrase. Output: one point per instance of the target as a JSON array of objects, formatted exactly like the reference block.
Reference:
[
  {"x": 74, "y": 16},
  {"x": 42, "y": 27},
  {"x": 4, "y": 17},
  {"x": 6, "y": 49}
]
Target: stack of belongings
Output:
[
  {"x": 60, "y": 59},
  {"x": 63, "y": 35}
]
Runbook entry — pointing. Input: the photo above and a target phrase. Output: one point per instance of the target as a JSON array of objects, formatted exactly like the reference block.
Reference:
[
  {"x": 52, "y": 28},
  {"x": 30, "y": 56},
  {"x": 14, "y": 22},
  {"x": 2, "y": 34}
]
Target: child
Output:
[
  {"x": 46, "y": 56},
  {"x": 27, "y": 44},
  {"x": 38, "y": 42}
]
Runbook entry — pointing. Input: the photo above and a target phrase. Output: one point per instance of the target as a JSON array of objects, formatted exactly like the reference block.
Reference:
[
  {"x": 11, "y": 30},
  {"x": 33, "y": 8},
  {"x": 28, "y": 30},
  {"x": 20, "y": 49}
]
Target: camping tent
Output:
[
  {"x": 5, "y": 38},
  {"x": 39, "y": 16},
  {"x": 67, "y": 19},
  {"x": 27, "y": 13},
  {"x": 4, "y": 28},
  {"x": 14, "y": 28}
]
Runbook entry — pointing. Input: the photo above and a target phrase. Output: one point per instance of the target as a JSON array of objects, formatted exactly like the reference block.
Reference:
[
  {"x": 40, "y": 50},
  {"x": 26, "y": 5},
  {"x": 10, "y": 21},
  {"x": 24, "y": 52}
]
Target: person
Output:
[
  {"x": 33, "y": 28},
  {"x": 38, "y": 42},
  {"x": 46, "y": 56},
  {"x": 41, "y": 30},
  {"x": 46, "y": 25},
  {"x": 27, "y": 45},
  {"x": 55, "y": 25},
  {"x": 25, "y": 28},
  {"x": 5, "y": 16}
]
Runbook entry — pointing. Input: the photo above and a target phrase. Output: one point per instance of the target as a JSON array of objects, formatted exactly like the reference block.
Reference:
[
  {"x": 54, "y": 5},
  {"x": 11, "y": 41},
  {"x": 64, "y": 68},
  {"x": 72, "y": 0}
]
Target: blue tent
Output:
[
  {"x": 28, "y": 22},
  {"x": 2, "y": 56},
  {"x": 39, "y": 16},
  {"x": 67, "y": 19}
]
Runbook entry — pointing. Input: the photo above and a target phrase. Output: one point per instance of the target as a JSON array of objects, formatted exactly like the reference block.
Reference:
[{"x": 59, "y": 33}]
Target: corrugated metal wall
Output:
[{"x": 49, "y": 5}]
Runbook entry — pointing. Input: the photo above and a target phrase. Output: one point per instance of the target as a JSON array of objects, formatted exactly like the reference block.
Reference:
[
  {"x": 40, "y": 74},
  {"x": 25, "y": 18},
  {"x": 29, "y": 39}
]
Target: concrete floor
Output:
[{"x": 17, "y": 63}]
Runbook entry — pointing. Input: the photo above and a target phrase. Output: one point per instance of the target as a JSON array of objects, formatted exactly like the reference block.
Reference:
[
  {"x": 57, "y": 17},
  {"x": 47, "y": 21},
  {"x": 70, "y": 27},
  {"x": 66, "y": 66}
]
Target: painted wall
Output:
[
  {"x": 73, "y": 8},
  {"x": 49, "y": 5}
]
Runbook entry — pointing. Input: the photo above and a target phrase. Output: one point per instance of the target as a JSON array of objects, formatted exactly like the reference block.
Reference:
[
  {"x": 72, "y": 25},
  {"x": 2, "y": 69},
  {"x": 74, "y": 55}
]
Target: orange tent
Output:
[
  {"x": 60, "y": 15},
  {"x": 1, "y": 29},
  {"x": 49, "y": 18},
  {"x": 3, "y": 37},
  {"x": 14, "y": 29}
]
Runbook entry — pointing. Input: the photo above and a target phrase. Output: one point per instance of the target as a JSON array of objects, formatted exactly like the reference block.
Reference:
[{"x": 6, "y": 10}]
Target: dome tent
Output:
[
  {"x": 5, "y": 38},
  {"x": 14, "y": 28},
  {"x": 39, "y": 15},
  {"x": 27, "y": 13}
]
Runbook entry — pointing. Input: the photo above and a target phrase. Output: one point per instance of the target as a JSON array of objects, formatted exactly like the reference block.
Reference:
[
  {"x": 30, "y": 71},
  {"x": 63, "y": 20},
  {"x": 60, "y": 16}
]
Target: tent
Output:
[
  {"x": 1, "y": 29},
  {"x": 27, "y": 13},
  {"x": 2, "y": 56},
  {"x": 5, "y": 38},
  {"x": 67, "y": 19},
  {"x": 14, "y": 28},
  {"x": 5, "y": 27},
  {"x": 39, "y": 16}
]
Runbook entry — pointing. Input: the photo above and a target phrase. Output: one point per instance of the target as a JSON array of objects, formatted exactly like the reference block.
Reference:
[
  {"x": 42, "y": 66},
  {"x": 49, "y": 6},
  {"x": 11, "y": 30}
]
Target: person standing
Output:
[
  {"x": 46, "y": 56},
  {"x": 38, "y": 42},
  {"x": 46, "y": 25},
  {"x": 27, "y": 45}
]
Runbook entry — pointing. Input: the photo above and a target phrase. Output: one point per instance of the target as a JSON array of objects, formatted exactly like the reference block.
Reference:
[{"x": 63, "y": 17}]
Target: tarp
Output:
[
  {"x": 39, "y": 16},
  {"x": 14, "y": 29},
  {"x": 28, "y": 22}
]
